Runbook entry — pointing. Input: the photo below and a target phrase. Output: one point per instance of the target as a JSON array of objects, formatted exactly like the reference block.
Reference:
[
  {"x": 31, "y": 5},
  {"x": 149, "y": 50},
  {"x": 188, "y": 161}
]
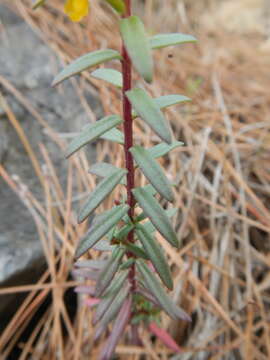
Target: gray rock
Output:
[{"x": 26, "y": 62}]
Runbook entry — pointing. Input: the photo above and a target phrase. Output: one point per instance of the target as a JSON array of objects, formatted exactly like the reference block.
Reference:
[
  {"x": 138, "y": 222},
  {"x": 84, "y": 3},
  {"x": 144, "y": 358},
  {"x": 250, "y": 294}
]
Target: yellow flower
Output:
[{"x": 76, "y": 9}]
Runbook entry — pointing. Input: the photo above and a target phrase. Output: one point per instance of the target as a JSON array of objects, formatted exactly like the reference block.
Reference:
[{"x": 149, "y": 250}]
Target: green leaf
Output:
[
  {"x": 37, "y": 4},
  {"x": 102, "y": 224},
  {"x": 169, "y": 212},
  {"x": 152, "y": 171},
  {"x": 103, "y": 189},
  {"x": 103, "y": 169},
  {"x": 115, "y": 305},
  {"x": 137, "y": 45},
  {"x": 149, "y": 226},
  {"x": 162, "y": 40},
  {"x": 109, "y": 271},
  {"x": 163, "y": 149},
  {"x": 102, "y": 307},
  {"x": 127, "y": 264},
  {"x": 149, "y": 111},
  {"x": 112, "y": 76},
  {"x": 85, "y": 62},
  {"x": 136, "y": 250},
  {"x": 169, "y": 100},
  {"x": 117, "y": 5},
  {"x": 154, "y": 286},
  {"x": 155, "y": 254},
  {"x": 166, "y": 101},
  {"x": 93, "y": 131},
  {"x": 114, "y": 135},
  {"x": 123, "y": 232},
  {"x": 150, "y": 189},
  {"x": 103, "y": 245},
  {"x": 116, "y": 284},
  {"x": 156, "y": 214}
]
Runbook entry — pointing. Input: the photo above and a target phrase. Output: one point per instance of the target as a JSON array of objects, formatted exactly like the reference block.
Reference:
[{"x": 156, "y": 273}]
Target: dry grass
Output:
[{"x": 221, "y": 274}]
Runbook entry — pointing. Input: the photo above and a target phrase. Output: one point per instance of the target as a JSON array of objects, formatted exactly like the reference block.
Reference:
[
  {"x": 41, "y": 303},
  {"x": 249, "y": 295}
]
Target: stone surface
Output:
[{"x": 29, "y": 65}]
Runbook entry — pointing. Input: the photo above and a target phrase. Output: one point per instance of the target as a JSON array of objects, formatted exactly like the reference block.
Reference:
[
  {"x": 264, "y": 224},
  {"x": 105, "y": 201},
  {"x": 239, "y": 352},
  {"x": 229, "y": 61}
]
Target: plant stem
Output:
[{"x": 128, "y": 135}]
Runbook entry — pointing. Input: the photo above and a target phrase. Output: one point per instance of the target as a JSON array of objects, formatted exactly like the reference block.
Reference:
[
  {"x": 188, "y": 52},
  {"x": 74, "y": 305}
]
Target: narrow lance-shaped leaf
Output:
[
  {"x": 137, "y": 45},
  {"x": 92, "y": 132},
  {"x": 102, "y": 308},
  {"x": 127, "y": 264},
  {"x": 107, "y": 274},
  {"x": 153, "y": 171},
  {"x": 101, "y": 226},
  {"x": 114, "y": 135},
  {"x": 103, "y": 245},
  {"x": 110, "y": 295},
  {"x": 156, "y": 214},
  {"x": 85, "y": 62},
  {"x": 163, "y": 149},
  {"x": 117, "y": 330},
  {"x": 123, "y": 232},
  {"x": 112, "y": 76},
  {"x": 117, "y": 5},
  {"x": 115, "y": 305},
  {"x": 137, "y": 251},
  {"x": 167, "y": 100},
  {"x": 149, "y": 111},
  {"x": 162, "y": 40},
  {"x": 103, "y": 169},
  {"x": 103, "y": 189},
  {"x": 116, "y": 284},
  {"x": 155, "y": 254},
  {"x": 149, "y": 227},
  {"x": 154, "y": 286}
]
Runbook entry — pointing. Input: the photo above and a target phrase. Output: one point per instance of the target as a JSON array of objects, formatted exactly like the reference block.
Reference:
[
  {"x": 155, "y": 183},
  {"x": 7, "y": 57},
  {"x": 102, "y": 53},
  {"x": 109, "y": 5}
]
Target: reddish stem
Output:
[{"x": 128, "y": 135}]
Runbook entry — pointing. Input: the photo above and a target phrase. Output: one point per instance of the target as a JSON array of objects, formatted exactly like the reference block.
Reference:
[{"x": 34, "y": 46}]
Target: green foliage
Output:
[
  {"x": 156, "y": 289},
  {"x": 149, "y": 111},
  {"x": 163, "y": 149},
  {"x": 100, "y": 227},
  {"x": 137, "y": 45},
  {"x": 155, "y": 254},
  {"x": 121, "y": 230},
  {"x": 112, "y": 76},
  {"x": 92, "y": 132},
  {"x": 163, "y": 40},
  {"x": 103, "y": 189},
  {"x": 152, "y": 171},
  {"x": 156, "y": 214},
  {"x": 85, "y": 62}
]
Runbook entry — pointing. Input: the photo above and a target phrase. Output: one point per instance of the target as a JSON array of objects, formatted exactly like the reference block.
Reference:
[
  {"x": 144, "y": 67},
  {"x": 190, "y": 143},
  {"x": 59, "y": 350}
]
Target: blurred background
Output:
[{"x": 221, "y": 274}]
